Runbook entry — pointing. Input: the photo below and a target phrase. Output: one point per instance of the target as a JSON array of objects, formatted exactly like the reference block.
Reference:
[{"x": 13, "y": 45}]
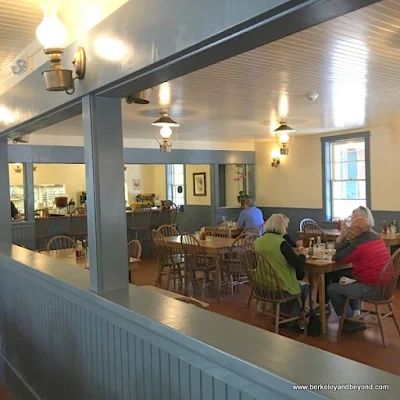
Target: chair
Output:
[
  {"x": 261, "y": 227},
  {"x": 266, "y": 288},
  {"x": 61, "y": 243},
  {"x": 313, "y": 230},
  {"x": 42, "y": 224},
  {"x": 254, "y": 230},
  {"x": 134, "y": 254},
  {"x": 232, "y": 265},
  {"x": 221, "y": 231},
  {"x": 248, "y": 244},
  {"x": 382, "y": 295},
  {"x": 199, "y": 266},
  {"x": 78, "y": 224},
  {"x": 170, "y": 261},
  {"x": 168, "y": 214},
  {"x": 167, "y": 230},
  {"x": 139, "y": 225},
  {"x": 305, "y": 222}
]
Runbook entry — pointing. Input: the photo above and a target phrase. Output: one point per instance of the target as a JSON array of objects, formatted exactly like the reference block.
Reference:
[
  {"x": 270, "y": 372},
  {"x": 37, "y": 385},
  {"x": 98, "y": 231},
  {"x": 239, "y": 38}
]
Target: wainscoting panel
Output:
[
  {"x": 195, "y": 217},
  {"x": 23, "y": 233}
]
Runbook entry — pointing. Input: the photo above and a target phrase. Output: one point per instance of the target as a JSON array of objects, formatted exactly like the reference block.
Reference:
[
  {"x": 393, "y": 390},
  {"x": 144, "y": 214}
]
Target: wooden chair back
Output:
[
  {"x": 168, "y": 213},
  {"x": 195, "y": 255},
  {"x": 140, "y": 218},
  {"x": 387, "y": 282},
  {"x": 263, "y": 279},
  {"x": 162, "y": 250},
  {"x": 253, "y": 230},
  {"x": 42, "y": 223},
  {"x": 220, "y": 231},
  {"x": 313, "y": 230},
  {"x": 78, "y": 222},
  {"x": 248, "y": 241},
  {"x": 61, "y": 242},
  {"x": 167, "y": 230},
  {"x": 134, "y": 251},
  {"x": 306, "y": 221},
  {"x": 234, "y": 259}
]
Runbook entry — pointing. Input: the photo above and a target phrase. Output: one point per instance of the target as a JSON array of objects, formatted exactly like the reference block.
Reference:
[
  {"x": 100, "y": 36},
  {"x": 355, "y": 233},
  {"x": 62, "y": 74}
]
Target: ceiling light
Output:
[
  {"x": 283, "y": 136},
  {"x": 53, "y": 35},
  {"x": 166, "y": 124}
]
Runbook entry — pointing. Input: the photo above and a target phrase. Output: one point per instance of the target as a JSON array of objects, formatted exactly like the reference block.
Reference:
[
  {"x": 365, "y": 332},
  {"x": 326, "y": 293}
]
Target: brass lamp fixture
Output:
[
  {"x": 18, "y": 168},
  {"x": 53, "y": 35},
  {"x": 275, "y": 158},
  {"x": 283, "y": 136},
  {"x": 166, "y": 123}
]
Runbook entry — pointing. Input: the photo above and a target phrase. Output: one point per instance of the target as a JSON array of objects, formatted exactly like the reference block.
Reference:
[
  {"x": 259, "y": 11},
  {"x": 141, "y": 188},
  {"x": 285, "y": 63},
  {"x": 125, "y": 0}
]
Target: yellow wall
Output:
[
  {"x": 297, "y": 182},
  {"x": 197, "y": 200}
]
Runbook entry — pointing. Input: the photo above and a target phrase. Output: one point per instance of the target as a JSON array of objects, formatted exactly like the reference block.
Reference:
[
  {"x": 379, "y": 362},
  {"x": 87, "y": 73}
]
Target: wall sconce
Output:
[
  {"x": 18, "y": 168},
  {"x": 19, "y": 67},
  {"x": 53, "y": 35},
  {"x": 34, "y": 168},
  {"x": 275, "y": 158},
  {"x": 166, "y": 123},
  {"x": 282, "y": 137}
]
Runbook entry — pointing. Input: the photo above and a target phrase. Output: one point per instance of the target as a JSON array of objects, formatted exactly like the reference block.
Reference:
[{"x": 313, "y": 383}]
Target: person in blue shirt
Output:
[{"x": 251, "y": 216}]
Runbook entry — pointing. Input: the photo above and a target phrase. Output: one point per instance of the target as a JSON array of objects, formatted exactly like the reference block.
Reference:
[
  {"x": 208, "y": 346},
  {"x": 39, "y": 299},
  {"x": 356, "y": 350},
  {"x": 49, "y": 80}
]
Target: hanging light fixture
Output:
[
  {"x": 166, "y": 123},
  {"x": 283, "y": 136},
  {"x": 53, "y": 35},
  {"x": 18, "y": 168}
]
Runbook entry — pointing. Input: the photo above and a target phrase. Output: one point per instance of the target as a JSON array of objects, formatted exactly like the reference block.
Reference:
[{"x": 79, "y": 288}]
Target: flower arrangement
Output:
[
  {"x": 146, "y": 196},
  {"x": 242, "y": 197},
  {"x": 141, "y": 204},
  {"x": 240, "y": 176}
]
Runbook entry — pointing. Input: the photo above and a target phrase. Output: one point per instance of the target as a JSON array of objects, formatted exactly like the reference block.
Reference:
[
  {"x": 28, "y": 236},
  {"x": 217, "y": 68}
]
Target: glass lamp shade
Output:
[
  {"x": 284, "y": 138},
  {"x": 51, "y": 33},
  {"x": 166, "y": 132}
]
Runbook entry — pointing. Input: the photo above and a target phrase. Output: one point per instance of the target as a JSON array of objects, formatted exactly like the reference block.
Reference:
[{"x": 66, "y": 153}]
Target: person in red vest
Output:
[{"x": 369, "y": 255}]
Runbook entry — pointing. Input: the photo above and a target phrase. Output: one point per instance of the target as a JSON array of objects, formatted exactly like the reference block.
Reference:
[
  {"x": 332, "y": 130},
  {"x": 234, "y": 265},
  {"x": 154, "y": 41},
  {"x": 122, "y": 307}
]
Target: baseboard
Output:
[{"x": 14, "y": 382}]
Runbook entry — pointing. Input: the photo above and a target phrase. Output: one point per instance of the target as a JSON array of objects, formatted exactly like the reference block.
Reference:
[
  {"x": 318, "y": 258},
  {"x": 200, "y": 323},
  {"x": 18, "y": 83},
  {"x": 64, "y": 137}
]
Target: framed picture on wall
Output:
[{"x": 199, "y": 184}]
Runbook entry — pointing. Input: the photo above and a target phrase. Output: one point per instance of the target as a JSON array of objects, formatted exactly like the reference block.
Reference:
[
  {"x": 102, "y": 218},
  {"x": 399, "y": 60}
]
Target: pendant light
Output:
[
  {"x": 166, "y": 124},
  {"x": 283, "y": 136}
]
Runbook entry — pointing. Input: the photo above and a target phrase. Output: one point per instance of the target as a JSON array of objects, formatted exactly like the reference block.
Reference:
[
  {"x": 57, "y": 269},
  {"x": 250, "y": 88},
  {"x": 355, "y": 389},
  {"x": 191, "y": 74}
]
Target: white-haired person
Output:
[
  {"x": 251, "y": 216},
  {"x": 359, "y": 212},
  {"x": 288, "y": 265}
]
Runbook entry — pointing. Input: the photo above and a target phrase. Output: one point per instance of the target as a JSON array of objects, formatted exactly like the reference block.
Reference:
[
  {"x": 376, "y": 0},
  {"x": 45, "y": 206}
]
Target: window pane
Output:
[
  {"x": 349, "y": 151},
  {"x": 178, "y": 168},
  {"x": 344, "y": 208},
  {"x": 17, "y": 192},
  {"x": 349, "y": 190},
  {"x": 178, "y": 179},
  {"x": 349, "y": 170}
]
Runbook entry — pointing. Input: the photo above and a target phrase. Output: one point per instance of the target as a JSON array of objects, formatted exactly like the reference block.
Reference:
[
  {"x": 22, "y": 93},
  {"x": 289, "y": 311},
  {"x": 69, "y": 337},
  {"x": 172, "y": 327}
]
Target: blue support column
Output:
[
  {"x": 107, "y": 228},
  {"x": 29, "y": 193},
  {"x": 5, "y": 205}
]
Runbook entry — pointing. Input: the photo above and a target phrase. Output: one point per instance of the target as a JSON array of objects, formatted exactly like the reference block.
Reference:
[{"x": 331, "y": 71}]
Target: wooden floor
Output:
[{"x": 363, "y": 346}]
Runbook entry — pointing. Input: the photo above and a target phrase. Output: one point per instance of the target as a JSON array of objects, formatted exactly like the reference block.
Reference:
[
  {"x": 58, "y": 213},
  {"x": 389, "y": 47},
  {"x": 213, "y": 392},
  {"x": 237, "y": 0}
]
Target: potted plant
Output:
[{"x": 242, "y": 197}]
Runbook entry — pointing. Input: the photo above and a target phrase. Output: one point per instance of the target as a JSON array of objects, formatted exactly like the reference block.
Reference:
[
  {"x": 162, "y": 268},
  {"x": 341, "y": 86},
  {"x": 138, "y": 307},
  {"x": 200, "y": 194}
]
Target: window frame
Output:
[
  {"x": 170, "y": 182},
  {"x": 327, "y": 183}
]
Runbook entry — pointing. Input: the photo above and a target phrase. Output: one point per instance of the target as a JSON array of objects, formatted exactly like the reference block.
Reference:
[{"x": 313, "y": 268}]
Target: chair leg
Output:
[
  {"x": 344, "y": 313},
  {"x": 203, "y": 289},
  {"x": 396, "y": 321},
  {"x": 277, "y": 314},
  {"x": 231, "y": 284},
  {"x": 378, "y": 313},
  {"x": 303, "y": 314},
  {"x": 250, "y": 299},
  {"x": 254, "y": 312}
]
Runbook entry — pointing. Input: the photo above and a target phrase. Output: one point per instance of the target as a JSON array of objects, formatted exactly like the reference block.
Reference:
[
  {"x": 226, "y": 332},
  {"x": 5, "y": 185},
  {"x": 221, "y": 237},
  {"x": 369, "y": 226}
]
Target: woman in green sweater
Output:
[{"x": 288, "y": 265}]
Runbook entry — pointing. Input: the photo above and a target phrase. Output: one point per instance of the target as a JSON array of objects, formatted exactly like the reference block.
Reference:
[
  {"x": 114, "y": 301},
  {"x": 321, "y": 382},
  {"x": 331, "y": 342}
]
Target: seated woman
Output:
[
  {"x": 251, "y": 215},
  {"x": 288, "y": 266},
  {"x": 359, "y": 212},
  {"x": 299, "y": 243}
]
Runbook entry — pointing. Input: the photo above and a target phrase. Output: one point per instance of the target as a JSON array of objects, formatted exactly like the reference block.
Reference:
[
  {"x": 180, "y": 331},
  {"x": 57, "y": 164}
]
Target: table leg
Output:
[
  {"x": 218, "y": 273},
  {"x": 321, "y": 295}
]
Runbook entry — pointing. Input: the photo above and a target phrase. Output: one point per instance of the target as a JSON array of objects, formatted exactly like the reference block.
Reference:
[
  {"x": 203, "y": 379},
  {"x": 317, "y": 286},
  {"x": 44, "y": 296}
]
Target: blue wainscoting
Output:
[
  {"x": 23, "y": 233},
  {"x": 195, "y": 217},
  {"x": 231, "y": 214}
]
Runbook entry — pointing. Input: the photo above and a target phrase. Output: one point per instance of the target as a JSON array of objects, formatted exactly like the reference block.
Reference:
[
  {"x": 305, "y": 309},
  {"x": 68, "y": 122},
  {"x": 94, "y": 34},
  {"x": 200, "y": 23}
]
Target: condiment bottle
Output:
[
  {"x": 311, "y": 246},
  {"x": 318, "y": 240},
  {"x": 78, "y": 250},
  {"x": 202, "y": 234},
  {"x": 394, "y": 226},
  {"x": 384, "y": 227}
]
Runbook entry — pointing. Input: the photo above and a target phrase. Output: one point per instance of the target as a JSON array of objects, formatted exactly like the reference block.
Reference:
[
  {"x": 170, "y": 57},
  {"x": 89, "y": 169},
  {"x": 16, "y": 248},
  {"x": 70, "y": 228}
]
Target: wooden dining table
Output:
[
  {"x": 213, "y": 246},
  {"x": 316, "y": 270},
  {"x": 390, "y": 239}
]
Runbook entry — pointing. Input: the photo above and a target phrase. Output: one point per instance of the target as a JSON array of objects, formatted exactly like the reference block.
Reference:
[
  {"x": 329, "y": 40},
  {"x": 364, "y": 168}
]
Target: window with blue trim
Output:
[
  {"x": 176, "y": 183},
  {"x": 346, "y": 178}
]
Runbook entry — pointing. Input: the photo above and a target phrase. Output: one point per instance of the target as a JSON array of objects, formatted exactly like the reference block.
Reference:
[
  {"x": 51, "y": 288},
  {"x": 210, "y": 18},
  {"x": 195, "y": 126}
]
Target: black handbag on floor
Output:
[{"x": 314, "y": 324}]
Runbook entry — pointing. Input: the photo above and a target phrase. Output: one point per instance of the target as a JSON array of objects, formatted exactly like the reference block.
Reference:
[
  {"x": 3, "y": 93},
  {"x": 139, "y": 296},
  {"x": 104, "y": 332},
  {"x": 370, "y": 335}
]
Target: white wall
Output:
[
  {"x": 190, "y": 198},
  {"x": 297, "y": 182}
]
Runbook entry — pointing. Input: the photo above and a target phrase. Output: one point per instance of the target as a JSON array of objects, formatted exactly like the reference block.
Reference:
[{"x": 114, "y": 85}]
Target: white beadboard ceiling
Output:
[
  {"x": 18, "y": 22},
  {"x": 352, "y": 62}
]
